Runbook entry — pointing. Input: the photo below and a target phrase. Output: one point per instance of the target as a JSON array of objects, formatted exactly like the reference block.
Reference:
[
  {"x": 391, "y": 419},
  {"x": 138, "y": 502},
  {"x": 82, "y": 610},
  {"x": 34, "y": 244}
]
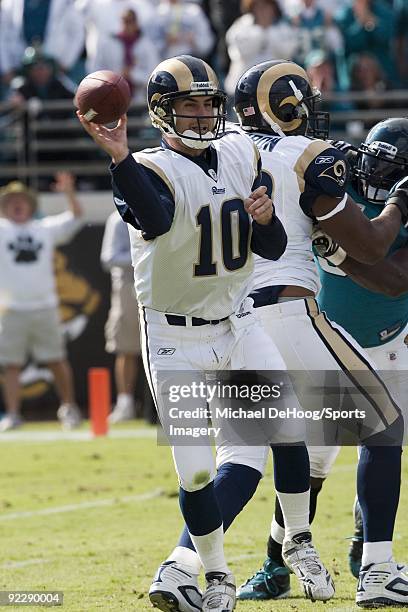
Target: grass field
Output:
[{"x": 95, "y": 517}]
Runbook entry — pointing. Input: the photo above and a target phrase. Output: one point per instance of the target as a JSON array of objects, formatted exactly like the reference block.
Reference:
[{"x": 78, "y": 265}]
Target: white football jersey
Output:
[
  {"x": 203, "y": 265},
  {"x": 285, "y": 160}
]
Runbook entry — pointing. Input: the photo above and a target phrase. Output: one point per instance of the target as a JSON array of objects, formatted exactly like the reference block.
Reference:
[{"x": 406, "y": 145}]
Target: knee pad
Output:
[
  {"x": 321, "y": 460},
  {"x": 255, "y": 457},
  {"x": 197, "y": 481}
]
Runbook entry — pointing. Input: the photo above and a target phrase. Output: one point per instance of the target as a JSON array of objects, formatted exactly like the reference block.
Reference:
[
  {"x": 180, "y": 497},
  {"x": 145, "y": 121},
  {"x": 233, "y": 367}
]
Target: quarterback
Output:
[{"x": 197, "y": 213}]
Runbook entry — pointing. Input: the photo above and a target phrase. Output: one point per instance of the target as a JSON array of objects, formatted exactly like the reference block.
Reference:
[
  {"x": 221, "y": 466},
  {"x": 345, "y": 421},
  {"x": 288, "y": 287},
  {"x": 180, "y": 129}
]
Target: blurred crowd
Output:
[{"x": 46, "y": 46}]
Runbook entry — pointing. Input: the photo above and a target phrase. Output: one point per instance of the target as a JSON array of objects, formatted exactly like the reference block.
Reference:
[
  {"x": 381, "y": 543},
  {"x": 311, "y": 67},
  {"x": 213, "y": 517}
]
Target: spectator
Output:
[
  {"x": 122, "y": 326},
  {"x": 55, "y": 25},
  {"x": 322, "y": 73},
  {"x": 368, "y": 26},
  {"x": 368, "y": 76},
  {"x": 29, "y": 319},
  {"x": 40, "y": 79},
  {"x": 401, "y": 41},
  {"x": 102, "y": 19},
  {"x": 39, "y": 82},
  {"x": 315, "y": 30},
  {"x": 260, "y": 34},
  {"x": 183, "y": 28},
  {"x": 131, "y": 53},
  {"x": 222, "y": 15}
]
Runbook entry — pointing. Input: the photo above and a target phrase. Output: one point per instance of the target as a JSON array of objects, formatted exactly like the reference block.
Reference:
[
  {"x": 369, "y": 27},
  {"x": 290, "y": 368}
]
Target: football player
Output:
[
  {"x": 197, "y": 212},
  {"x": 350, "y": 289},
  {"x": 308, "y": 177},
  {"x": 261, "y": 105}
]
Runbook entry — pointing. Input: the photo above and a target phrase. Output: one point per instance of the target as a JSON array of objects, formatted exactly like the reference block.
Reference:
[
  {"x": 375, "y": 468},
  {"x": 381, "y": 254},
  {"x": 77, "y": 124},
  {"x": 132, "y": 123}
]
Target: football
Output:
[{"x": 103, "y": 96}]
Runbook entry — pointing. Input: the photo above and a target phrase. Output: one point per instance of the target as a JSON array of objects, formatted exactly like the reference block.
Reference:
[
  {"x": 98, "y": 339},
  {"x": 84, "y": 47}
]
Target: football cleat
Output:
[
  {"x": 272, "y": 581},
  {"x": 356, "y": 546},
  {"x": 382, "y": 584},
  {"x": 302, "y": 559},
  {"x": 175, "y": 589},
  {"x": 219, "y": 595},
  {"x": 69, "y": 416},
  {"x": 10, "y": 421},
  {"x": 124, "y": 411}
]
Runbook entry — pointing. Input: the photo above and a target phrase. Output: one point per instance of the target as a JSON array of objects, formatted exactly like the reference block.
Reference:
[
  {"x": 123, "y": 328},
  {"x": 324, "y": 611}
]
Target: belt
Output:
[{"x": 195, "y": 321}]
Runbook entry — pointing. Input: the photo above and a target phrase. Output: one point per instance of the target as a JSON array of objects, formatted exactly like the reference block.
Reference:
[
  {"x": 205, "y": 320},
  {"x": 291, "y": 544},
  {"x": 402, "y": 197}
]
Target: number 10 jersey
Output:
[{"x": 203, "y": 265}]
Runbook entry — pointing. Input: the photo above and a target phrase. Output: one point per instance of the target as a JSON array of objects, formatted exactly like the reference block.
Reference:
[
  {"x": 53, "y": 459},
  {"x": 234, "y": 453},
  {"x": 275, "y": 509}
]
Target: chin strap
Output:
[{"x": 276, "y": 128}]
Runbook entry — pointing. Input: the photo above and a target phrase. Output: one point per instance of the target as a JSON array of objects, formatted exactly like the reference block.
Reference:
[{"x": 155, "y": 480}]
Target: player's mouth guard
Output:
[{"x": 299, "y": 96}]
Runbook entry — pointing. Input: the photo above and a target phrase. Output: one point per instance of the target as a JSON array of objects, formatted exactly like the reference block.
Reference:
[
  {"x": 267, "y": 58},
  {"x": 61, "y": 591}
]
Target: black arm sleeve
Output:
[
  {"x": 269, "y": 241},
  {"x": 326, "y": 174},
  {"x": 142, "y": 198}
]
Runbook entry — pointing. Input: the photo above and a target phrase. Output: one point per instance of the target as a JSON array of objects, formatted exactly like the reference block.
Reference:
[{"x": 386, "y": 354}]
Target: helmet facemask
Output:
[
  {"x": 377, "y": 169},
  {"x": 165, "y": 118}
]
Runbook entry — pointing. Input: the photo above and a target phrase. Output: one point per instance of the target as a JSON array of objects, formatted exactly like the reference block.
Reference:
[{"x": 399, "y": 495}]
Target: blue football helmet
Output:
[{"x": 277, "y": 97}]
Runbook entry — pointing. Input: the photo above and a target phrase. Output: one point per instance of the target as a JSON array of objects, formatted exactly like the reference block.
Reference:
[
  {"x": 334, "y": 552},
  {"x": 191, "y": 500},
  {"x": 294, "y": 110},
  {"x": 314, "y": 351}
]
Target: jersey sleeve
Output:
[
  {"x": 321, "y": 170},
  {"x": 143, "y": 198}
]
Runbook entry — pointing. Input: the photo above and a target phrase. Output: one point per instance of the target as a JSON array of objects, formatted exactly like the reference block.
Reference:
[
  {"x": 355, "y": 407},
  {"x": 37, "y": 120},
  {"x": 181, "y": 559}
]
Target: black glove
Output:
[{"x": 399, "y": 197}]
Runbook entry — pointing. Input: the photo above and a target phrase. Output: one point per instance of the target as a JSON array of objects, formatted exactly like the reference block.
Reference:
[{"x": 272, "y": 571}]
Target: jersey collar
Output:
[{"x": 208, "y": 160}]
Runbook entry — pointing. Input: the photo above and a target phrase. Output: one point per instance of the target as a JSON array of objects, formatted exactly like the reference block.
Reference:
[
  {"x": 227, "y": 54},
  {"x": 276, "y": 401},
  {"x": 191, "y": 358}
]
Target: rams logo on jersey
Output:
[{"x": 337, "y": 172}]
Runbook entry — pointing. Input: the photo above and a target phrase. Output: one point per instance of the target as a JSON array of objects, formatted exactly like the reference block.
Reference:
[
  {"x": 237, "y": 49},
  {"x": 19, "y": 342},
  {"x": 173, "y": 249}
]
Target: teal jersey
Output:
[{"x": 371, "y": 318}]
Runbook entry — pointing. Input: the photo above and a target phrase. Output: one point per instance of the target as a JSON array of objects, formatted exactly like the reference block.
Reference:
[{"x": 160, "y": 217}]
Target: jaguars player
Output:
[
  {"x": 196, "y": 216},
  {"x": 308, "y": 178},
  {"x": 371, "y": 302}
]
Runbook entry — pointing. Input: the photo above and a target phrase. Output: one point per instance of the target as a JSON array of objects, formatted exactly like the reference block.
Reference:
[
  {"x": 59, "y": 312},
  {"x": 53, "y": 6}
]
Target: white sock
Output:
[
  {"x": 210, "y": 549},
  {"x": 124, "y": 399},
  {"x": 376, "y": 552},
  {"x": 295, "y": 510},
  {"x": 277, "y": 532},
  {"x": 186, "y": 557}
]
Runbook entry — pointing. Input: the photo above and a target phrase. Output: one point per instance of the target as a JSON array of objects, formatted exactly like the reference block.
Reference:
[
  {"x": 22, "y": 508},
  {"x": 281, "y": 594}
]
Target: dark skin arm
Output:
[
  {"x": 367, "y": 241},
  {"x": 389, "y": 276}
]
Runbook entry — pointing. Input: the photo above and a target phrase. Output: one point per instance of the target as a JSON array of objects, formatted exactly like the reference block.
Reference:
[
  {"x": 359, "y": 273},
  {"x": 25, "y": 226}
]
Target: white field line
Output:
[
  {"x": 24, "y": 563},
  {"x": 74, "y": 436},
  {"x": 98, "y": 503}
]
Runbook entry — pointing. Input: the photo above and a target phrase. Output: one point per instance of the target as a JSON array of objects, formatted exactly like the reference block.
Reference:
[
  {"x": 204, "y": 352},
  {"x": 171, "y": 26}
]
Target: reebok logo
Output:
[
  {"x": 242, "y": 314},
  {"x": 324, "y": 159},
  {"x": 218, "y": 191},
  {"x": 166, "y": 351}
]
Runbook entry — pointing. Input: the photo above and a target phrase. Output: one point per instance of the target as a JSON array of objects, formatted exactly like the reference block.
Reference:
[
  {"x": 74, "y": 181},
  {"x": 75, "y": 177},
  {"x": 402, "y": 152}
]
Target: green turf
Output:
[{"x": 103, "y": 556}]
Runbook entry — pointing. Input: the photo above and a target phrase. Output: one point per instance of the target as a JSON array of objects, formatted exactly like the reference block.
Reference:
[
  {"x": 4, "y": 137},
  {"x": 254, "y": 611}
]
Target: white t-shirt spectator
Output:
[
  {"x": 64, "y": 34},
  {"x": 27, "y": 280},
  {"x": 146, "y": 58},
  {"x": 183, "y": 29},
  {"x": 103, "y": 20},
  {"x": 248, "y": 44}
]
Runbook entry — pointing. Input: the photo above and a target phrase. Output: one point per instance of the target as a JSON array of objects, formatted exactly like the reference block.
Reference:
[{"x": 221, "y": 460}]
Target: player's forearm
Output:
[
  {"x": 269, "y": 241},
  {"x": 385, "y": 228},
  {"x": 367, "y": 241},
  {"x": 141, "y": 197},
  {"x": 388, "y": 276}
]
